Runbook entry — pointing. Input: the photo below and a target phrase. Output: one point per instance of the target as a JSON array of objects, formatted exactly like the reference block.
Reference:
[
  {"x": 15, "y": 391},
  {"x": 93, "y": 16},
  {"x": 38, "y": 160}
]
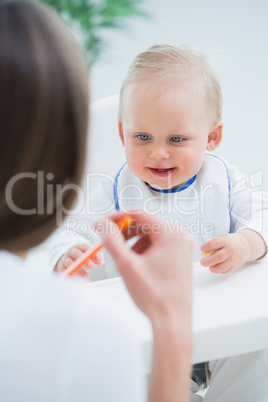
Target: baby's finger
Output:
[
  {"x": 212, "y": 244},
  {"x": 98, "y": 259},
  {"x": 82, "y": 273},
  {"x": 88, "y": 265},
  {"x": 221, "y": 268},
  {"x": 207, "y": 247},
  {"x": 67, "y": 262},
  {"x": 75, "y": 253},
  {"x": 83, "y": 270},
  {"x": 216, "y": 257},
  {"x": 83, "y": 247}
]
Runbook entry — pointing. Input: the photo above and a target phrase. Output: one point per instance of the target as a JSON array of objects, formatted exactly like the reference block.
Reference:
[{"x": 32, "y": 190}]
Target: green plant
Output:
[{"x": 88, "y": 18}]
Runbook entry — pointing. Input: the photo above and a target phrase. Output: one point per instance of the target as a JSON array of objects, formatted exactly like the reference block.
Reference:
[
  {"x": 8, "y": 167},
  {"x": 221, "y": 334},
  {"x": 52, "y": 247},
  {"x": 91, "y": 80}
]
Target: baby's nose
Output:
[{"x": 160, "y": 152}]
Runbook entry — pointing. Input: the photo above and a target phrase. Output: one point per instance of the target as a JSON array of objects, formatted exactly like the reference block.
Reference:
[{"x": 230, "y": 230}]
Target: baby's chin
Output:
[{"x": 164, "y": 186}]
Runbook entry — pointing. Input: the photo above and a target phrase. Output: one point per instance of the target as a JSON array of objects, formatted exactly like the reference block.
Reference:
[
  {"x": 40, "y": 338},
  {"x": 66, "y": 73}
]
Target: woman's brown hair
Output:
[{"x": 43, "y": 121}]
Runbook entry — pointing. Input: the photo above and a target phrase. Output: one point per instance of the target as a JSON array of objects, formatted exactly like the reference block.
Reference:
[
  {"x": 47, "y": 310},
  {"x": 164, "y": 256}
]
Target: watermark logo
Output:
[{"x": 246, "y": 201}]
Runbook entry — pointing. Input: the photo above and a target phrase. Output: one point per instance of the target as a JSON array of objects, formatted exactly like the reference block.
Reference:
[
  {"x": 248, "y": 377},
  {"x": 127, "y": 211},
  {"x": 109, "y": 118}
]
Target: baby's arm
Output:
[
  {"x": 249, "y": 226},
  {"x": 232, "y": 250},
  {"x": 73, "y": 254},
  {"x": 77, "y": 232}
]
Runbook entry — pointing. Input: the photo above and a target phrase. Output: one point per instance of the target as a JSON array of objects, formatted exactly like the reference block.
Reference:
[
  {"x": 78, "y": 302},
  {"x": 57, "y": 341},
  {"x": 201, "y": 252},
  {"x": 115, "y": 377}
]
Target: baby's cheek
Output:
[
  {"x": 136, "y": 168},
  {"x": 185, "y": 165},
  {"x": 134, "y": 161},
  {"x": 130, "y": 154},
  {"x": 192, "y": 164}
]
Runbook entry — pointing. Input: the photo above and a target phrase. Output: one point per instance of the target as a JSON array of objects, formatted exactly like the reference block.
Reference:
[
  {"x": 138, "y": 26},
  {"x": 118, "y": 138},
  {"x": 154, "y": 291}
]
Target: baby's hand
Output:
[
  {"x": 229, "y": 252},
  {"x": 73, "y": 254}
]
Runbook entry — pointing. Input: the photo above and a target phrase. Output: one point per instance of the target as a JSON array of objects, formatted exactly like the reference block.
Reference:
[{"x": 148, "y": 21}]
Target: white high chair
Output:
[{"x": 105, "y": 151}]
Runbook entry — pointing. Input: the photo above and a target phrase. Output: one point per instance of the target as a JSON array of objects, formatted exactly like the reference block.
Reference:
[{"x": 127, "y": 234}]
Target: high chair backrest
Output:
[{"x": 105, "y": 151}]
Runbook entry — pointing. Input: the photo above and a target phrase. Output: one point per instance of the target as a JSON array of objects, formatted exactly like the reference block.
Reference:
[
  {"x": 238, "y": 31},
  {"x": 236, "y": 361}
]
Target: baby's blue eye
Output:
[
  {"x": 143, "y": 137},
  {"x": 176, "y": 139}
]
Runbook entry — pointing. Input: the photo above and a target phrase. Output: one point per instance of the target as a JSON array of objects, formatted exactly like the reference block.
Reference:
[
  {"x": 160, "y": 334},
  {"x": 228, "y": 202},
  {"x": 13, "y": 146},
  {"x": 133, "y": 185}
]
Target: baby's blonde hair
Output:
[{"x": 166, "y": 63}]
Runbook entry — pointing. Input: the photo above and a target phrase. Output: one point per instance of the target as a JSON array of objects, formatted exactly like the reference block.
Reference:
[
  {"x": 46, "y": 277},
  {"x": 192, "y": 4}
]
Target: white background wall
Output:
[{"x": 234, "y": 33}]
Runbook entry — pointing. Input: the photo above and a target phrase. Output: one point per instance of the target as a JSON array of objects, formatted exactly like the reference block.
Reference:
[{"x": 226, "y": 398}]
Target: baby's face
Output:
[{"x": 165, "y": 133}]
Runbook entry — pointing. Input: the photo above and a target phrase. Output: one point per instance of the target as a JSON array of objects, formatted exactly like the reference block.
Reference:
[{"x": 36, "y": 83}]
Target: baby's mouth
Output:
[{"x": 161, "y": 172}]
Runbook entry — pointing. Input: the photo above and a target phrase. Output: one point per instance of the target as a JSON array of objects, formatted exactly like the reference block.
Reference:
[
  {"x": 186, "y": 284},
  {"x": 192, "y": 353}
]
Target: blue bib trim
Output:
[
  {"x": 116, "y": 198},
  {"x": 173, "y": 190}
]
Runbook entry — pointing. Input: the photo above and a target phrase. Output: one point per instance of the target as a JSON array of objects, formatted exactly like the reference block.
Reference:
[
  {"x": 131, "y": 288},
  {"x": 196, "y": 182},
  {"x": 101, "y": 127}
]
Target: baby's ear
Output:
[
  {"x": 215, "y": 136},
  {"x": 121, "y": 132}
]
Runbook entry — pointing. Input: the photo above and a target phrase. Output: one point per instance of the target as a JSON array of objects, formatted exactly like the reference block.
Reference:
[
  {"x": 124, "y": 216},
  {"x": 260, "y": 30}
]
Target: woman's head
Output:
[{"x": 43, "y": 121}]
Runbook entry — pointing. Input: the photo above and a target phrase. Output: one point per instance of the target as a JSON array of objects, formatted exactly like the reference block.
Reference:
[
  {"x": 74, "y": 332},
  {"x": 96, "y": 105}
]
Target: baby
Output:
[
  {"x": 169, "y": 122},
  {"x": 169, "y": 116}
]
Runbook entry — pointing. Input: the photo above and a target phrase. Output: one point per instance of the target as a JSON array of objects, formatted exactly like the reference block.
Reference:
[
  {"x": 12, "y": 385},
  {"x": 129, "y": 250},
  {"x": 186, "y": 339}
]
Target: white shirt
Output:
[
  {"x": 218, "y": 200},
  {"x": 59, "y": 341}
]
